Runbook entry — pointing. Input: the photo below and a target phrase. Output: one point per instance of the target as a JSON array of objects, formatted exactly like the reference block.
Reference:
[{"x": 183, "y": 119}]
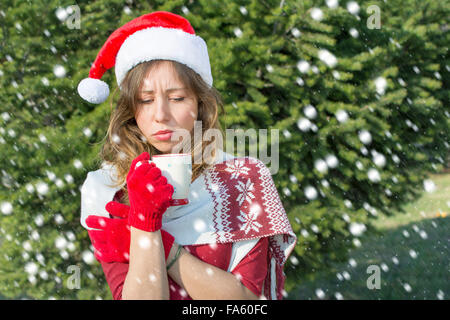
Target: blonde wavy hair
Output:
[{"x": 124, "y": 141}]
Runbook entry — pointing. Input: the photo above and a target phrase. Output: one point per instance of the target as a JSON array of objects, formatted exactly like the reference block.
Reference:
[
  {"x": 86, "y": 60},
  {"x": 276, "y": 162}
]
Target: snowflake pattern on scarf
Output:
[
  {"x": 245, "y": 190},
  {"x": 236, "y": 168},
  {"x": 249, "y": 221}
]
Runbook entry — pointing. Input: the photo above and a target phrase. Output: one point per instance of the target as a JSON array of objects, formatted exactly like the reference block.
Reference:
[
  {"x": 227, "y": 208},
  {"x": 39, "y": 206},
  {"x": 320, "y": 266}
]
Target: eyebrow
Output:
[{"x": 168, "y": 90}]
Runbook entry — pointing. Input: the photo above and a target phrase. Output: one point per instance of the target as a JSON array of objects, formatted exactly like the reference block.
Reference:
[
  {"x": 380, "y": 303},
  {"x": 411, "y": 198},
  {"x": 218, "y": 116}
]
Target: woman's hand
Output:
[
  {"x": 149, "y": 194},
  {"x": 112, "y": 241}
]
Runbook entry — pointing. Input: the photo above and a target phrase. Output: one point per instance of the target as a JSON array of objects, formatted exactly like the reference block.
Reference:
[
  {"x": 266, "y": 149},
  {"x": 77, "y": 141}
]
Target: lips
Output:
[
  {"x": 163, "y": 135},
  {"x": 162, "y": 132}
]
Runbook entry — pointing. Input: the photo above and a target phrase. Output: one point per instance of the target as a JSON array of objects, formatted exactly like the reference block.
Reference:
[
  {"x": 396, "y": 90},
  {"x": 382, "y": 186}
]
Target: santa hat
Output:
[{"x": 157, "y": 35}]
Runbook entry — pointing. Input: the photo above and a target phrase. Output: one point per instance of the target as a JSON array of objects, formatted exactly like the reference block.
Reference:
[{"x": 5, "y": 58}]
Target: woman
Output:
[{"x": 231, "y": 241}]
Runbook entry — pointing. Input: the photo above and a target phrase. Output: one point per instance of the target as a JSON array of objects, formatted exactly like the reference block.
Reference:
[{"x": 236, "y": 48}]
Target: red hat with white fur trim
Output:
[{"x": 157, "y": 35}]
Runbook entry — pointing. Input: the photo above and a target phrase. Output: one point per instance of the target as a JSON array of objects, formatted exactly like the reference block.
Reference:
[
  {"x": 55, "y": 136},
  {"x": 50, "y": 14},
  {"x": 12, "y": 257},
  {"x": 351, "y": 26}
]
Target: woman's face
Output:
[{"x": 164, "y": 104}]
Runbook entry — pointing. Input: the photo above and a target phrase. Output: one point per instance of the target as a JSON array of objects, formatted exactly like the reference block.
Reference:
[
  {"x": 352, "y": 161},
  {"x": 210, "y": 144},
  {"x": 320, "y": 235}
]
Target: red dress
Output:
[{"x": 251, "y": 270}]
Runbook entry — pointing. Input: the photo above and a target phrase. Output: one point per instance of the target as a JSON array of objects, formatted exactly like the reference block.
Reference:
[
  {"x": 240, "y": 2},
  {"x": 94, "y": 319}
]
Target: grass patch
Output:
[{"x": 411, "y": 251}]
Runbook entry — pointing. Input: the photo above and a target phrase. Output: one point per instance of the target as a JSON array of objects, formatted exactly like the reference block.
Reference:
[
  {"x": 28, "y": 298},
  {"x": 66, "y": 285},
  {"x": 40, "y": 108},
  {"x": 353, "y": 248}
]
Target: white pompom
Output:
[{"x": 93, "y": 90}]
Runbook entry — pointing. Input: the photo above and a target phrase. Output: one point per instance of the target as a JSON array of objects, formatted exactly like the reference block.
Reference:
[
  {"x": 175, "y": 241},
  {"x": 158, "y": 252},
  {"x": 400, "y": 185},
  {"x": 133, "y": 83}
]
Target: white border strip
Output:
[{"x": 273, "y": 278}]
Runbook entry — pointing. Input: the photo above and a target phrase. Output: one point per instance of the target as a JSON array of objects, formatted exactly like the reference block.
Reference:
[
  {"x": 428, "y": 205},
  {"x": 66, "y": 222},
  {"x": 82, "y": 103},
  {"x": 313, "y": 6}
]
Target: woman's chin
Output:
[
  {"x": 168, "y": 146},
  {"x": 164, "y": 147}
]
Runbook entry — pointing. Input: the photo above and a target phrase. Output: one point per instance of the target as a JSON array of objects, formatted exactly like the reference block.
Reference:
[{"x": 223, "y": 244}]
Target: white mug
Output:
[{"x": 177, "y": 168}]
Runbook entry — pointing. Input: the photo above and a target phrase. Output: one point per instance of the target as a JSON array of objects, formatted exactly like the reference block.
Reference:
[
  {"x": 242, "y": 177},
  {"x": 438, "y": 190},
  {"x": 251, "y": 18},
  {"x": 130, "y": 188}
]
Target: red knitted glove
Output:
[
  {"x": 149, "y": 194},
  {"x": 112, "y": 241}
]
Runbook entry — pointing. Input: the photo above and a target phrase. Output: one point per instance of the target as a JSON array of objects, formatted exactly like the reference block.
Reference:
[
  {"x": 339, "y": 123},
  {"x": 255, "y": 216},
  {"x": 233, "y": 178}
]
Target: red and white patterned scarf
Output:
[{"x": 233, "y": 200}]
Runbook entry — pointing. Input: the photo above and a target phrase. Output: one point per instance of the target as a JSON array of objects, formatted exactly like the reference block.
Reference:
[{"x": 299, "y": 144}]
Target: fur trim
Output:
[
  {"x": 163, "y": 43},
  {"x": 93, "y": 90}
]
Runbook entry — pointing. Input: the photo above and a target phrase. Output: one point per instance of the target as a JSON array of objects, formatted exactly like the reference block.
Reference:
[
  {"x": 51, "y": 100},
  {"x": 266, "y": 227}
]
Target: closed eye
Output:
[{"x": 151, "y": 100}]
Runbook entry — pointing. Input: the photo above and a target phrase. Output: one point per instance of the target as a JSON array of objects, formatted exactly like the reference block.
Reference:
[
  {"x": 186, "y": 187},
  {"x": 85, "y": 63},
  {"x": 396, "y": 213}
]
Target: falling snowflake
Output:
[
  {"x": 303, "y": 66},
  {"x": 77, "y": 164},
  {"x": 310, "y": 192},
  {"x": 31, "y": 268},
  {"x": 286, "y": 191},
  {"x": 374, "y": 175},
  {"x": 352, "y": 262},
  {"x": 423, "y": 234},
  {"x": 346, "y": 275},
  {"x": 357, "y": 229},
  {"x": 310, "y": 111},
  {"x": 407, "y": 287},
  {"x": 332, "y": 160},
  {"x": 39, "y": 220},
  {"x": 338, "y": 296},
  {"x": 294, "y": 260},
  {"x": 295, "y": 32},
  {"x": 199, "y": 225},
  {"x": 395, "y": 260},
  {"x": 365, "y": 136},
  {"x": 127, "y": 10},
  {"x": 60, "y": 243},
  {"x": 237, "y": 32},
  {"x": 88, "y": 257},
  {"x": 353, "y": 7},
  {"x": 61, "y": 14},
  {"x": 68, "y": 178},
  {"x": 333, "y": 4},
  {"x": 286, "y": 133},
  {"x": 429, "y": 185},
  {"x": 59, "y": 71},
  {"x": 353, "y": 32},
  {"x": 304, "y": 124},
  {"x": 43, "y": 274},
  {"x": 87, "y": 132},
  {"x": 341, "y": 116},
  {"x": 379, "y": 159},
  {"x": 319, "y": 293},
  {"x": 209, "y": 271},
  {"x": 144, "y": 243},
  {"x": 356, "y": 242},
  {"x": 6, "y": 116},
  {"x": 413, "y": 253},
  {"x": 45, "y": 81},
  {"x": 380, "y": 84},
  {"x": 59, "y": 218},
  {"x": 6, "y": 208},
  {"x": 327, "y": 57},
  {"x": 300, "y": 81},
  {"x": 183, "y": 293},
  {"x": 316, "y": 14}
]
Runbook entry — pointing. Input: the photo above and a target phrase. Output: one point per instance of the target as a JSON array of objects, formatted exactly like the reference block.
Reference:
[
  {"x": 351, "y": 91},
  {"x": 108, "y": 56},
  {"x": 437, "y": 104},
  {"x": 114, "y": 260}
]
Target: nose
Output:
[{"x": 162, "y": 112}]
